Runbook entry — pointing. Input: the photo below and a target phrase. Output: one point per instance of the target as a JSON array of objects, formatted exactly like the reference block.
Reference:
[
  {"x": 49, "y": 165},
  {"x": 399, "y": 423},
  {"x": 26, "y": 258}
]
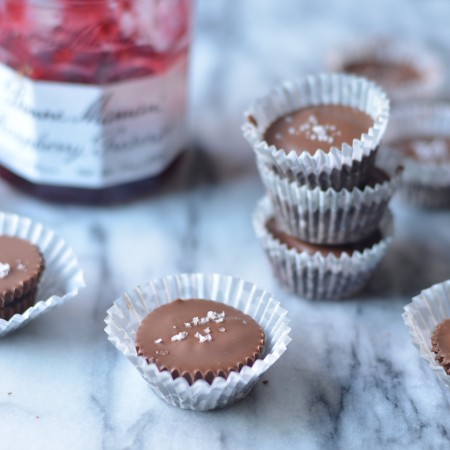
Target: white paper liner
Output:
[
  {"x": 317, "y": 276},
  {"x": 62, "y": 277},
  {"x": 340, "y": 167},
  {"x": 422, "y": 315},
  {"x": 328, "y": 217},
  {"x": 426, "y": 62},
  {"x": 125, "y": 316}
]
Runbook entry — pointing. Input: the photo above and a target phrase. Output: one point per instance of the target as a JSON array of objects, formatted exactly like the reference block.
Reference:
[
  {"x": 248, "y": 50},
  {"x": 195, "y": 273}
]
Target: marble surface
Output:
[{"x": 351, "y": 377}]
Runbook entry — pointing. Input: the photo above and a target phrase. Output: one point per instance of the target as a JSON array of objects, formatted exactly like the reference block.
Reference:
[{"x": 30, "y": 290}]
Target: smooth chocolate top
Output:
[
  {"x": 441, "y": 344},
  {"x": 199, "y": 339},
  {"x": 425, "y": 148},
  {"x": 325, "y": 249},
  {"x": 318, "y": 127},
  {"x": 387, "y": 73},
  {"x": 21, "y": 265}
]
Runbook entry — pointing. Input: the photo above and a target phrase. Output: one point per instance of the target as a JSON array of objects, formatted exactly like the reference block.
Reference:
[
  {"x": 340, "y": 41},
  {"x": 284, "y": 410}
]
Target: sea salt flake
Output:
[
  {"x": 204, "y": 320},
  {"x": 174, "y": 326},
  {"x": 222, "y": 329},
  {"x": 162, "y": 352},
  {"x": 207, "y": 330},
  {"x": 216, "y": 317},
  {"x": 244, "y": 322},
  {"x": 205, "y": 338},
  {"x": 181, "y": 336},
  {"x": 187, "y": 325},
  {"x": 195, "y": 320},
  {"x": 4, "y": 270},
  {"x": 158, "y": 341},
  {"x": 20, "y": 265}
]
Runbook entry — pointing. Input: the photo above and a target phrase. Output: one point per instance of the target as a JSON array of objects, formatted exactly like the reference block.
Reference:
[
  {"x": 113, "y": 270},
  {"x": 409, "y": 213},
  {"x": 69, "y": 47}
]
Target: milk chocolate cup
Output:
[
  {"x": 421, "y": 316},
  {"x": 61, "y": 280},
  {"x": 317, "y": 276},
  {"x": 330, "y": 217},
  {"x": 128, "y": 311},
  {"x": 339, "y": 168},
  {"x": 428, "y": 65},
  {"x": 424, "y": 183}
]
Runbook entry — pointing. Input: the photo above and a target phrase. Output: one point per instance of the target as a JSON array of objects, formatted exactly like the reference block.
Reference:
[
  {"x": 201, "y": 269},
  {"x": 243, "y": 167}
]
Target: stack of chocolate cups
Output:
[{"x": 325, "y": 223}]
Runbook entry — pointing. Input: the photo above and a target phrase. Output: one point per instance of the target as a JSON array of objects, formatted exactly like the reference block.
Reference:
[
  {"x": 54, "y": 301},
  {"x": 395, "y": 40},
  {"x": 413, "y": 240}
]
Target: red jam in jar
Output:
[{"x": 92, "y": 95}]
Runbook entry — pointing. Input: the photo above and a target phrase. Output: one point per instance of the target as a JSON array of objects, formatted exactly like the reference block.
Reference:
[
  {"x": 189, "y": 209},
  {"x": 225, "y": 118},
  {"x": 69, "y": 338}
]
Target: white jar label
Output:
[{"x": 91, "y": 136}]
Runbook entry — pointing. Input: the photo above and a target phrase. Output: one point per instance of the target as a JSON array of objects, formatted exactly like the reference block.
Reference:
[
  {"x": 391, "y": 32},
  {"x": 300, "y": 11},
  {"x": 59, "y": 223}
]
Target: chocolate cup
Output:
[
  {"x": 124, "y": 317},
  {"x": 20, "y": 285},
  {"x": 425, "y": 183},
  {"x": 317, "y": 276},
  {"x": 330, "y": 217},
  {"x": 339, "y": 168}
]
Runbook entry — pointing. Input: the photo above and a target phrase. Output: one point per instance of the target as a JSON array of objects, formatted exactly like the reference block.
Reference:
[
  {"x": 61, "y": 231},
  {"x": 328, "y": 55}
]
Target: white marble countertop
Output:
[{"x": 351, "y": 377}]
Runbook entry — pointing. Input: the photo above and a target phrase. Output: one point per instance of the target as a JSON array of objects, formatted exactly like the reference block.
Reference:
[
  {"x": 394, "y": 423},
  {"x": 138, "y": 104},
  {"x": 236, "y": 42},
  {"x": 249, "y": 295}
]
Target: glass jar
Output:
[{"x": 92, "y": 95}]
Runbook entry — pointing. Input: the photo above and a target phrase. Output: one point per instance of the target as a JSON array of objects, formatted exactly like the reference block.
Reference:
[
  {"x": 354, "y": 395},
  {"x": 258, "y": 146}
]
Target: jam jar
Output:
[{"x": 92, "y": 96}]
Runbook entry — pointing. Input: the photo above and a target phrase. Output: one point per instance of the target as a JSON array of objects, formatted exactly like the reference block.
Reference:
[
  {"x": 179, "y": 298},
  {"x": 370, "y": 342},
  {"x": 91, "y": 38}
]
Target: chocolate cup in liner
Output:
[
  {"x": 62, "y": 277},
  {"x": 423, "y": 183},
  {"x": 317, "y": 276},
  {"x": 124, "y": 317},
  {"x": 428, "y": 65},
  {"x": 338, "y": 168},
  {"x": 330, "y": 217},
  {"x": 422, "y": 315}
]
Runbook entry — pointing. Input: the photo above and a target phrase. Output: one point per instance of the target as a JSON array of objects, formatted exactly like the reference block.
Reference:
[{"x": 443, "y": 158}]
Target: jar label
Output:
[{"x": 91, "y": 136}]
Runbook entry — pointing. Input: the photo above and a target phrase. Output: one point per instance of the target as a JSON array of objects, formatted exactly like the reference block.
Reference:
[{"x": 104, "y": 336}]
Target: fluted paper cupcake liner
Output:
[
  {"x": 338, "y": 168},
  {"x": 62, "y": 277},
  {"x": 330, "y": 217},
  {"x": 422, "y": 315},
  {"x": 317, "y": 276},
  {"x": 428, "y": 65},
  {"x": 125, "y": 316},
  {"x": 424, "y": 183}
]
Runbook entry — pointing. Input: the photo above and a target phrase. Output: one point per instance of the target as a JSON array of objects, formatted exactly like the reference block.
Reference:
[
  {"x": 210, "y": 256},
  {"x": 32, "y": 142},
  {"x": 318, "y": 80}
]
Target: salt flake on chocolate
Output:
[
  {"x": 181, "y": 336},
  {"x": 207, "y": 330},
  {"x": 205, "y": 338},
  {"x": 222, "y": 329},
  {"x": 4, "y": 270},
  {"x": 187, "y": 325},
  {"x": 158, "y": 341},
  {"x": 216, "y": 317},
  {"x": 204, "y": 320}
]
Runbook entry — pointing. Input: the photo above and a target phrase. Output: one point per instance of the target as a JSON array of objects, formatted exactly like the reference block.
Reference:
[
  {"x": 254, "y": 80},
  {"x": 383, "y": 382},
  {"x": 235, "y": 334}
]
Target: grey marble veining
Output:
[{"x": 350, "y": 379}]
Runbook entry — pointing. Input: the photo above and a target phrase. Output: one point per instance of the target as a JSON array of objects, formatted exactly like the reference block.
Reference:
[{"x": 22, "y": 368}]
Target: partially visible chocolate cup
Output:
[
  {"x": 320, "y": 272},
  {"x": 330, "y": 217},
  {"x": 393, "y": 64},
  {"x": 21, "y": 267},
  {"x": 418, "y": 137},
  {"x": 34, "y": 290},
  {"x": 336, "y": 122},
  {"x": 127, "y": 313},
  {"x": 422, "y": 317}
]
